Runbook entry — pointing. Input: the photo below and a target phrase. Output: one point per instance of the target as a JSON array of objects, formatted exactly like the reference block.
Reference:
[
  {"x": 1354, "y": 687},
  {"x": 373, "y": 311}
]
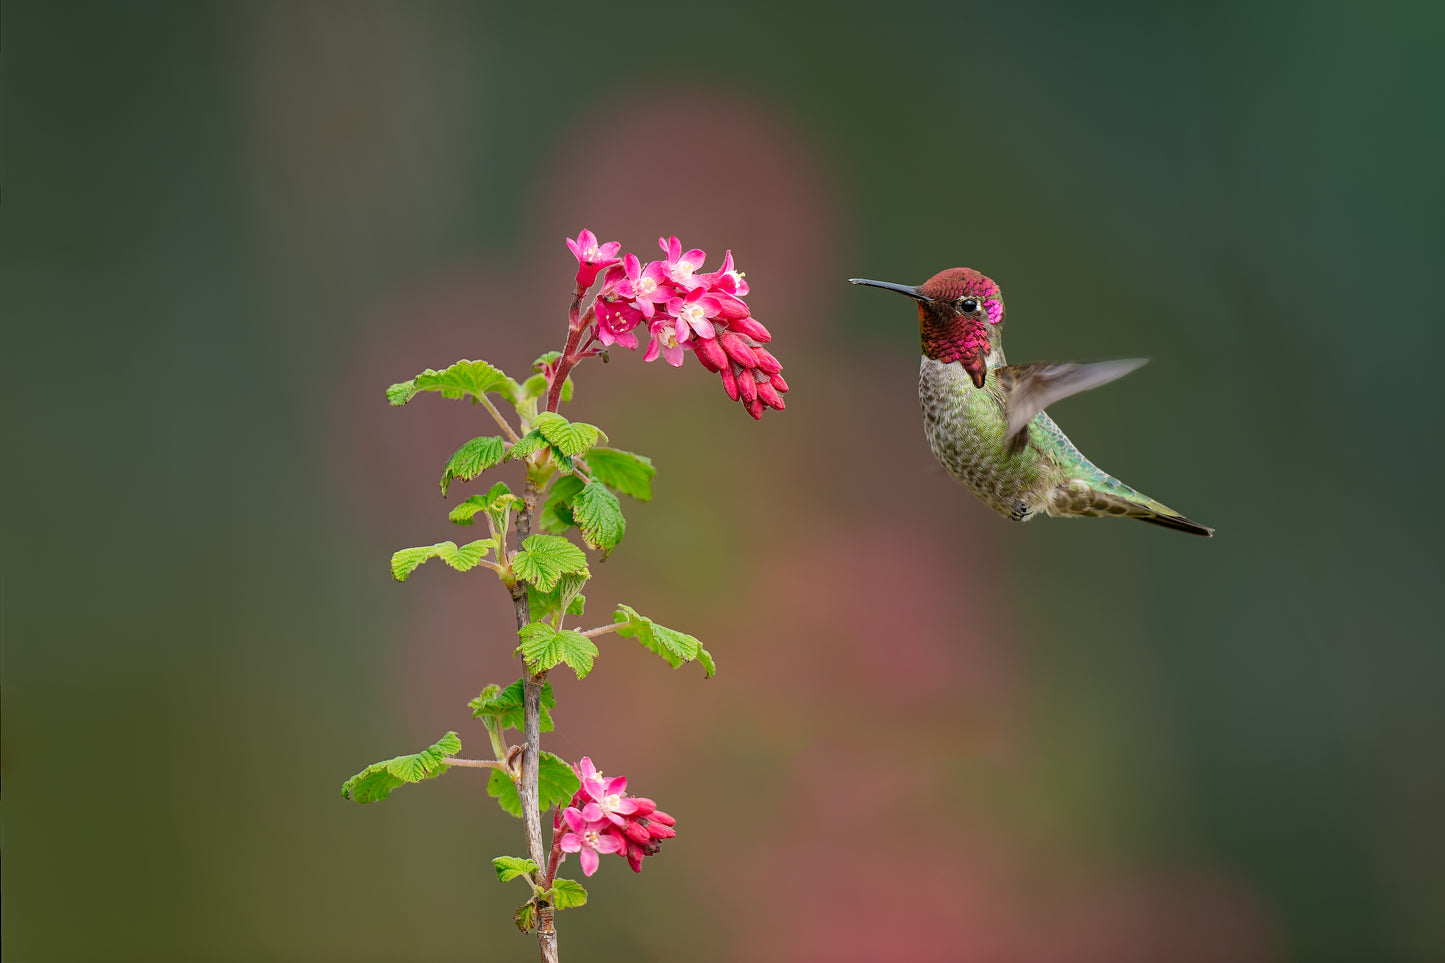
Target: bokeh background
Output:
[{"x": 226, "y": 228}]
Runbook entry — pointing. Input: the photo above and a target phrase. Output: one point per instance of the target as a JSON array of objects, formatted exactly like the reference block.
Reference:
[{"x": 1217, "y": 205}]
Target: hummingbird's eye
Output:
[{"x": 968, "y": 305}]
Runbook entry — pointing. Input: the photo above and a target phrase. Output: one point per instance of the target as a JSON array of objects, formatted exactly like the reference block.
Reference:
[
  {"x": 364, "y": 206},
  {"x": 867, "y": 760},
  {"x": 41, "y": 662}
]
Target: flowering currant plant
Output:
[{"x": 571, "y": 483}]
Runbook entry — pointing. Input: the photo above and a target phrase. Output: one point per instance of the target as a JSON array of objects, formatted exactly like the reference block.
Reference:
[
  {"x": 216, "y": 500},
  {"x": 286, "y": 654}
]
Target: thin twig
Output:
[
  {"x": 475, "y": 763},
  {"x": 603, "y": 629},
  {"x": 512, "y": 436}
]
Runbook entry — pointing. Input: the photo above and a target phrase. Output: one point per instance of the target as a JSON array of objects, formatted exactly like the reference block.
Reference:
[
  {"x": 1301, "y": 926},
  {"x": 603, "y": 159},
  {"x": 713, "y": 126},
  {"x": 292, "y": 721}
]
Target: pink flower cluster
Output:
[
  {"x": 604, "y": 819},
  {"x": 684, "y": 309}
]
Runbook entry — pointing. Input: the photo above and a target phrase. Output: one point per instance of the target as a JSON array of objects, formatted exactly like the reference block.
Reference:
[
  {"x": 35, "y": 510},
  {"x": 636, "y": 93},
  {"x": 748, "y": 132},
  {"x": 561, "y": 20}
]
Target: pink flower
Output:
[
  {"x": 694, "y": 311},
  {"x": 727, "y": 279},
  {"x": 587, "y": 839},
  {"x": 664, "y": 341},
  {"x": 680, "y": 265},
  {"x": 591, "y": 258},
  {"x": 646, "y": 287},
  {"x": 615, "y": 321},
  {"x": 609, "y": 797}
]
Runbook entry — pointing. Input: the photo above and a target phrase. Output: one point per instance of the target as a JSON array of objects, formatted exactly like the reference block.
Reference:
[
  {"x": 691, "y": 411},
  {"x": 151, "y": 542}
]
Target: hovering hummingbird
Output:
[{"x": 985, "y": 419}]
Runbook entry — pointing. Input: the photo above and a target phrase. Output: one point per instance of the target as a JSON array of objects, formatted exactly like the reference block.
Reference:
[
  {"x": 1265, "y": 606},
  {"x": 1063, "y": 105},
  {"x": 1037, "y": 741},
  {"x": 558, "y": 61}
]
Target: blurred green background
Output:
[{"x": 934, "y": 736}]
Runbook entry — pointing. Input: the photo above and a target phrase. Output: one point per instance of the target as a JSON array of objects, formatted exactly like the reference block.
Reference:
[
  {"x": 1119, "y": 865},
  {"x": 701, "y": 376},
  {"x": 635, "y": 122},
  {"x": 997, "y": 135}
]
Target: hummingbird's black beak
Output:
[{"x": 912, "y": 292}]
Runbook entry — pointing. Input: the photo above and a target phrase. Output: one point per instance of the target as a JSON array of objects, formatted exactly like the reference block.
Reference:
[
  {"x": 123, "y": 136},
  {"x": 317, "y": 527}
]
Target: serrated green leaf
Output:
[
  {"x": 544, "y": 359},
  {"x": 465, "y": 557},
  {"x": 510, "y": 867},
  {"x": 546, "y": 558},
  {"x": 470, "y": 460},
  {"x": 505, "y": 705},
  {"x": 497, "y": 503},
  {"x": 544, "y": 647},
  {"x": 376, "y": 781},
  {"x": 556, "y": 782},
  {"x": 462, "y": 558},
  {"x": 401, "y": 392},
  {"x": 526, "y": 916},
  {"x": 404, "y": 561},
  {"x": 599, "y": 517},
  {"x": 529, "y": 443},
  {"x": 623, "y": 471},
  {"x": 465, "y": 511},
  {"x": 556, "y": 514},
  {"x": 475, "y": 378},
  {"x": 673, "y": 646},
  {"x": 568, "y": 437},
  {"x": 566, "y": 894}
]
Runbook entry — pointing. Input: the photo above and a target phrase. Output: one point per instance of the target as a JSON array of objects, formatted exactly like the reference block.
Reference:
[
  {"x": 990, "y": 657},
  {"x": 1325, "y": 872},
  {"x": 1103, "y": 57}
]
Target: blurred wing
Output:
[{"x": 1030, "y": 388}]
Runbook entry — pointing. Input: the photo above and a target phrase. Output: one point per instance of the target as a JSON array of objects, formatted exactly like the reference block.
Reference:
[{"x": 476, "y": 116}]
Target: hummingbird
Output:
[{"x": 985, "y": 418}]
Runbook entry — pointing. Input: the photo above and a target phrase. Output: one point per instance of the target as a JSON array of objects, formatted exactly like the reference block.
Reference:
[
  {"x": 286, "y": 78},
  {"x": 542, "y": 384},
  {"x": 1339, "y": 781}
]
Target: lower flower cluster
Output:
[{"x": 602, "y": 818}]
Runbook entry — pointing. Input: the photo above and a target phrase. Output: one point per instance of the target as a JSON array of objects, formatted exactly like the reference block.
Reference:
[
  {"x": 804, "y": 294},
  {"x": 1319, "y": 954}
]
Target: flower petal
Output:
[{"x": 588, "y": 856}]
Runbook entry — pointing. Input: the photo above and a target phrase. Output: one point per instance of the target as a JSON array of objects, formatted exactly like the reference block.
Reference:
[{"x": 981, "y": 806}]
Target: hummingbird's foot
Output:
[{"x": 1021, "y": 511}]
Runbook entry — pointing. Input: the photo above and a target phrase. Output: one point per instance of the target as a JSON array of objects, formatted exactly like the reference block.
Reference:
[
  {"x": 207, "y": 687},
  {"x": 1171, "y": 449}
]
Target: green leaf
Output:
[
  {"x": 675, "y": 647},
  {"x": 569, "y": 438},
  {"x": 505, "y": 706},
  {"x": 566, "y": 894},
  {"x": 566, "y": 597},
  {"x": 470, "y": 460},
  {"x": 526, "y": 916},
  {"x": 475, "y": 378},
  {"x": 599, "y": 517},
  {"x": 462, "y": 558},
  {"x": 501, "y": 788},
  {"x": 556, "y": 782},
  {"x": 510, "y": 867},
  {"x": 497, "y": 503},
  {"x": 556, "y": 514},
  {"x": 546, "y": 558},
  {"x": 529, "y": 443},
  {"x": 534, "y": 386},
  {"x": 544, "y": 647},
  {"x": 622, "y": 470},
  {"x": 377, "y": 780}
]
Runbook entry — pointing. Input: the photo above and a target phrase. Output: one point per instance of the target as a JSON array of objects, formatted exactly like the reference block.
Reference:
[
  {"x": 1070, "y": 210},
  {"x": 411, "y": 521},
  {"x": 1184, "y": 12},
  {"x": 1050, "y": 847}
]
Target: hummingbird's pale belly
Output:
[{"x": 965, "y": 427}]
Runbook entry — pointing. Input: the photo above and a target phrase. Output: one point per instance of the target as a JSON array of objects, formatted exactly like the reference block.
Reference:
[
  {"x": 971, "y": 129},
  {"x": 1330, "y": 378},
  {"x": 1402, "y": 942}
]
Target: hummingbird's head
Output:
[{"x": 960, "y": 317}]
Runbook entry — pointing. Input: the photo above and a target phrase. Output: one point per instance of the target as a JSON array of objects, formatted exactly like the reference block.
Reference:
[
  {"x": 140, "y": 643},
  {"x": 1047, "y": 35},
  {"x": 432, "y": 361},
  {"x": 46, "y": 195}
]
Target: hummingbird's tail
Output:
[{"x": 1109, "y": 497}]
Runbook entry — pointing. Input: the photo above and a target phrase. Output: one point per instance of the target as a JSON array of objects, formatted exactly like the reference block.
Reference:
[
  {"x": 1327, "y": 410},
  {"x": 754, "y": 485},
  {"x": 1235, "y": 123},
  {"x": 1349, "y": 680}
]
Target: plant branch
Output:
[{"x": 532, "y": 735}]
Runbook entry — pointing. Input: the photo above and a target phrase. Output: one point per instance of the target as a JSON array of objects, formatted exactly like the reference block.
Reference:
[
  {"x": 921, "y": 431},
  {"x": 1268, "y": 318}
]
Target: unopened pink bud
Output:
[
  {"x": 751, "y": 327},
  {"x": 755, "y": 408},
  {"x": 730, "y": 382},
  {"x": 637, "y": 831},
  {"x": 731, "y": 309},
  {"x": 644, "y": 806},
  {"x": 767, "y": 362},
  {"x": 769, "y": 396},
  {"x": 779, "y": 383},
  {"x": 658, "y": 816},
  {"x": 738, "y": 350},
  {"x": 747, "y": 386},
  {"x": 712, "y": 357},
  {"x": 659, "y": 831}
]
